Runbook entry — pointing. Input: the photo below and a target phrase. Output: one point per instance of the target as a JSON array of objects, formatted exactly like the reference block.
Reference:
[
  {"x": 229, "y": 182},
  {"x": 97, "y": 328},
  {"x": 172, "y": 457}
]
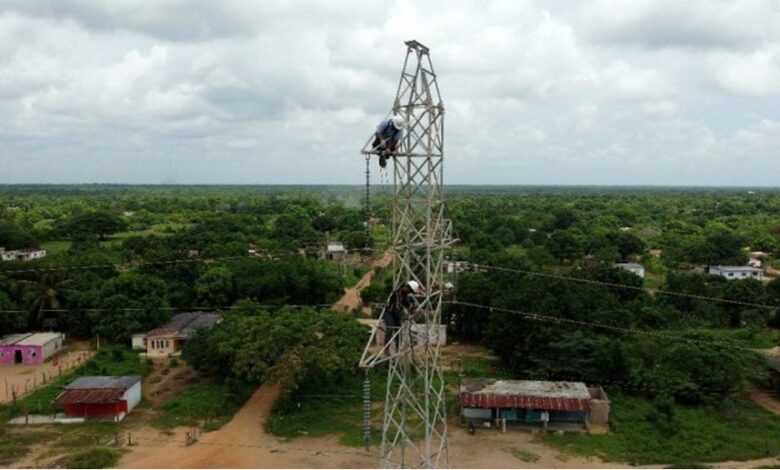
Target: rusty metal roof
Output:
[
  {"x": 90, "y": 396},
  {"x": 526, "y": 394}
]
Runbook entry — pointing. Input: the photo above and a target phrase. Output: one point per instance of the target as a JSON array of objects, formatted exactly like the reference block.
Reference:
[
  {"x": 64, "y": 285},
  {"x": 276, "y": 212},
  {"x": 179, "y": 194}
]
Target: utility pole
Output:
[{"x": 414, "y": 430}]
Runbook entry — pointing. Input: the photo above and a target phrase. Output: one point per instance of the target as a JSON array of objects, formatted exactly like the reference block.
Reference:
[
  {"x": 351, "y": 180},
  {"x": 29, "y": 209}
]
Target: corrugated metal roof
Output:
[
  {"x": 736, "y": 268},
  {"x": 90, "y": 396},
  {"x": 335, "y": 246},
  {"x": 8, "y": 340},
  {"x": 183, "y": 324},
  {"x": 527, "y": 394},
  {"x": 39, "y": 339},
  {"x": 104, "y": 382}
]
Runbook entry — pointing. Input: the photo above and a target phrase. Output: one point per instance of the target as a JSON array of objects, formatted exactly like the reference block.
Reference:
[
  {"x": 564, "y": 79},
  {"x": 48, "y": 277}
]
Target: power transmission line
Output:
[
  {"x": 624, "y": 286},
  {"x": 543, "y": 317}
]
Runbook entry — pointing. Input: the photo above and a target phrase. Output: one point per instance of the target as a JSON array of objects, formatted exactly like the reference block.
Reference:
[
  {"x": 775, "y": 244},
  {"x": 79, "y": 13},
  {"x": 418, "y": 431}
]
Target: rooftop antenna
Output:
[{"x": 414, "y": 428}]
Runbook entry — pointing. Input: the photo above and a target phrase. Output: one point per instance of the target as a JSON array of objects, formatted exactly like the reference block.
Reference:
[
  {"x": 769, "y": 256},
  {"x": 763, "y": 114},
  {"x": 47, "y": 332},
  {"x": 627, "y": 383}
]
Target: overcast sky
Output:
[{"x": 536, "y": 92}]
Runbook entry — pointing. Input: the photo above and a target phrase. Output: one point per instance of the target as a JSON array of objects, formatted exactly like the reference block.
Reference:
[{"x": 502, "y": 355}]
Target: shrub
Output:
[{"x": 98, "y": 457}]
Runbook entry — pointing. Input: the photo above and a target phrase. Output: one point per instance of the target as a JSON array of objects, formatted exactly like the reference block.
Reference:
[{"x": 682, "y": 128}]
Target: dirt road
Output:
[
  {"x": 765, "y": 400},
  {"x": 25, "y": 378},
  {"x": 242, "y": 443},
  {"x": 351, "y": 301}
]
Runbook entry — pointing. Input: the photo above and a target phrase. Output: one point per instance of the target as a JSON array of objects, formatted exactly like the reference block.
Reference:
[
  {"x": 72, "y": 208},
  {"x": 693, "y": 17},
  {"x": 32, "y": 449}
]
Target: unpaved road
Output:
[
  {"x": 242, "y": 443},
  {"x": 765, "y": 400},
  {"x": 351, "y": 301}
]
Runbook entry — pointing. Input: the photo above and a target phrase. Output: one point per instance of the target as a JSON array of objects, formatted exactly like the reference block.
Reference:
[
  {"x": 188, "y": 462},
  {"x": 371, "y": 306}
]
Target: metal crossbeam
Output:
[{"x": 414, "y": 430}]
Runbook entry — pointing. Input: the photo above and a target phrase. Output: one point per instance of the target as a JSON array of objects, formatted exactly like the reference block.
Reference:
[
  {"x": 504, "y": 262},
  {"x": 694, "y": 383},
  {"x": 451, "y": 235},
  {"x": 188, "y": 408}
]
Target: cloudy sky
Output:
[{"x": 536, "y": 92}]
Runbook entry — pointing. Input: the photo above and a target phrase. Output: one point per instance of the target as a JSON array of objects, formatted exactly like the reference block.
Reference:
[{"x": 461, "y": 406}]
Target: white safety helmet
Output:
[
  {"x": 398, "y": 122},
  {"x": 414, "y": 285}
]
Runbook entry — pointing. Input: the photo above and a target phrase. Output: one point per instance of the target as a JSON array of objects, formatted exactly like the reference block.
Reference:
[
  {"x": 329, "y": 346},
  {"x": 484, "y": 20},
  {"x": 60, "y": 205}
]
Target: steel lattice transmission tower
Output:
[{"x": 414, "y": 432}]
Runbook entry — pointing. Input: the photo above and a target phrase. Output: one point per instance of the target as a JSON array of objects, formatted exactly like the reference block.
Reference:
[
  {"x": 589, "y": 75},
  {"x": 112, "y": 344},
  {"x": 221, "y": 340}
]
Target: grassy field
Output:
[
  {"x": 739, "y": 431},
  {"x": 212, "y": 404}
]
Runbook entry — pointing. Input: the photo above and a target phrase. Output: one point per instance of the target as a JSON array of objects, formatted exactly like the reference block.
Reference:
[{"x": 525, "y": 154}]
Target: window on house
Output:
[
  {"x": 731, "y": 274},
  {"x": 32, "y": 353}
]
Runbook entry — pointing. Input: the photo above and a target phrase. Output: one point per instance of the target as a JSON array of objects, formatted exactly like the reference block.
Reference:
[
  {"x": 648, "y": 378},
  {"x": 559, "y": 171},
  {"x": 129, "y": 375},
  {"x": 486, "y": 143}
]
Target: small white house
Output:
[
  {"x": 737, "y": 272},
  {"x": 335, "y": 251},
  {"x": 26, "y": 254},
  {"x": 635, "y": 268}
]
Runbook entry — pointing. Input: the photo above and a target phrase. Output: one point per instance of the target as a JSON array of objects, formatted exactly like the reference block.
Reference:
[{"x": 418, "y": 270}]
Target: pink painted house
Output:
[{"x": 29, "y": 348}]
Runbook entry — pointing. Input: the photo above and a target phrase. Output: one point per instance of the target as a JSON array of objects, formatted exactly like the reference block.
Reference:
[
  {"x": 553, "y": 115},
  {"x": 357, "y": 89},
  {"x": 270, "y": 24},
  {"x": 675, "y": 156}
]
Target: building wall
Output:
[
  {"x": 138, "y": 342},
  {"x": 132, "y": 396},
  {"x": 159, "y": 346},
  {"x": 96, "y": 409},
  {"x": 30, "y": 354},
  {"x": 599, "y": 407},
  {"x": 53, "y": 346}
]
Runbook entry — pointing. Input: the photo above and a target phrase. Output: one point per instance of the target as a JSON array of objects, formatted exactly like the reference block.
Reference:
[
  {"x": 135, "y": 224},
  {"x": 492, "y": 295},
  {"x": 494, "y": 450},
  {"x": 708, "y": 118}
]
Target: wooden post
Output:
[{"x": 129, "y": 439}]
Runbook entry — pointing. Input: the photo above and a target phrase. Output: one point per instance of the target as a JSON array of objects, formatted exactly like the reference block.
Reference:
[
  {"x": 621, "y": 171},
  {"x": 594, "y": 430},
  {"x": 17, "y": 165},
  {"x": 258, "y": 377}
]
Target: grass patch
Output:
[
  {"x": 335, "y": 408},
  {"x": 98, "y": 457},
  {"x": 15, "y": 445},
  {"x": 523, "y": 455},
  {"x": 210, "y": 403},
  {"x": 736, "y": 431}
]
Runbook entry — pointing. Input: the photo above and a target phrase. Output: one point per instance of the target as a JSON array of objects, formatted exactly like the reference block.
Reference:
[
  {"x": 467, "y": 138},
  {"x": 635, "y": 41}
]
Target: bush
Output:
[{"x": 99, "y": 457}]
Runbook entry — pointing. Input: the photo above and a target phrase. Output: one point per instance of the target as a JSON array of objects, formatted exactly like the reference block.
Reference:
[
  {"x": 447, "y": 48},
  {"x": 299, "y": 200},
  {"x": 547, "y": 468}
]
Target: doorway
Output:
[{"x": 18, "y": 356}]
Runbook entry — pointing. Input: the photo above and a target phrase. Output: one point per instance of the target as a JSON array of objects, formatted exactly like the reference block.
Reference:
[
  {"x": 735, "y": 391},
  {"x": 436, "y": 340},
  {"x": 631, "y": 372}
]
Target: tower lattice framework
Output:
[{"x": 414, "y": 431}]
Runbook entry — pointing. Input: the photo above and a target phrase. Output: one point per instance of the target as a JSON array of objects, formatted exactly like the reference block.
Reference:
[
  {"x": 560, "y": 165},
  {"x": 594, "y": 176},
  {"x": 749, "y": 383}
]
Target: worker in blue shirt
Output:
[{"x": 387, "y": 137}]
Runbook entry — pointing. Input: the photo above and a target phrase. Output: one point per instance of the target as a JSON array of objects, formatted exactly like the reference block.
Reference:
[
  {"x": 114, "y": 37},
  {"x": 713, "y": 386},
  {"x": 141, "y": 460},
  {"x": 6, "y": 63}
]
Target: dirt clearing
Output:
[{"x": 26, "y": 378}]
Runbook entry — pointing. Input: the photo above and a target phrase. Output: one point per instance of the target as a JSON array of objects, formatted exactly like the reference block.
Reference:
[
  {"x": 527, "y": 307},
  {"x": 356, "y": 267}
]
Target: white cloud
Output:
[{"x": 261, "y": 92}]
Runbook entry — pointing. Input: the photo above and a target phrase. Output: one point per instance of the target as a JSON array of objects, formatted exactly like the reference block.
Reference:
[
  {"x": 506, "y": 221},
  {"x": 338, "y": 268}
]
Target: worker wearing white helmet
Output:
[
  {"x": 387, "y": 137},
  {"x": 402, "y": 301}
]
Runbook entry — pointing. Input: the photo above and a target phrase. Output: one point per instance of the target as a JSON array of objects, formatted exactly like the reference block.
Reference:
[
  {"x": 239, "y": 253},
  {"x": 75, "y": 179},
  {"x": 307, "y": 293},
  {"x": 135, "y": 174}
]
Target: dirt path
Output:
[
  {"x": 25, "y": 378},
  {"x": 242, "y": 443},
  {"x": 765, "y": 400},
  {"x": 351, "y": 300}
]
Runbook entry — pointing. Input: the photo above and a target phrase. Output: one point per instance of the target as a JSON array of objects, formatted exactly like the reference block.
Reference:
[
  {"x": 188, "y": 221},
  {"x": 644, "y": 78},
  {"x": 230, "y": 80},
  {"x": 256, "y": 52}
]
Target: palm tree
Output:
[{"x": 43, "y": 295}]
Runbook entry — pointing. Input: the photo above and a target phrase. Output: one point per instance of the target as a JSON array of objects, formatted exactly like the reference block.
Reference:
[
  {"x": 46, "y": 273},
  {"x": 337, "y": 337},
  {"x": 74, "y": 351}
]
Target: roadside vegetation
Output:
[
  {"x": 646, "y": 432},
  {"x": 210, "y": 405}
]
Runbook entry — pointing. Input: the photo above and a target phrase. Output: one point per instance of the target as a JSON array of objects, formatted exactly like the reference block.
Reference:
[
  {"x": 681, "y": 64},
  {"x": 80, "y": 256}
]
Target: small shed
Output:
[
  {"x": 635, "y": 268},
  {"x": 335, "y": 251},
  {"x": 30, "y": 348},
  {"x": 101, "y": 397},
  {"x": 532, "y": 403}
]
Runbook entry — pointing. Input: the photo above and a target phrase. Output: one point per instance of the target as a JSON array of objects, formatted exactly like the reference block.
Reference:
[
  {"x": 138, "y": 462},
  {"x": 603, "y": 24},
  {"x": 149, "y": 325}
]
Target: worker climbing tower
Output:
[{"x": 414, "y": 432}]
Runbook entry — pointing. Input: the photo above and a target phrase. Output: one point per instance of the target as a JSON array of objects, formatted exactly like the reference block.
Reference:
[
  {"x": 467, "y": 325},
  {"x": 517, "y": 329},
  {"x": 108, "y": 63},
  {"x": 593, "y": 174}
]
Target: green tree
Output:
[
  {"x": 12, "y": 319},
  {"x": 43, "y": 295},
  {"x": 215, "y": 287},
  {"x": 564, "y": 245},
  {"x": 99, "y": 223},
  {"x": 131, "y": 303}
]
